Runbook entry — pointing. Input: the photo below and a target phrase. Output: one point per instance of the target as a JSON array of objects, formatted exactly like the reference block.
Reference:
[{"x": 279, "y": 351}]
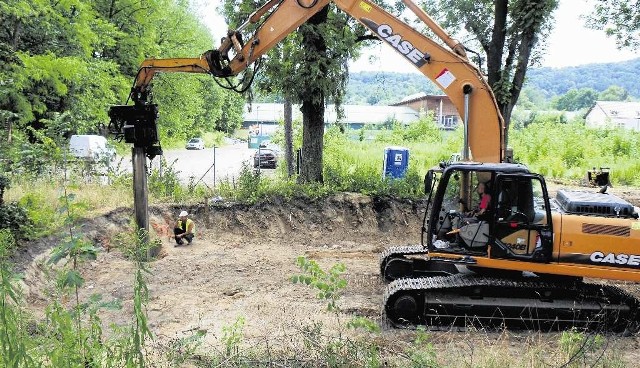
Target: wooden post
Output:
[{"x": 140, "y": 195}]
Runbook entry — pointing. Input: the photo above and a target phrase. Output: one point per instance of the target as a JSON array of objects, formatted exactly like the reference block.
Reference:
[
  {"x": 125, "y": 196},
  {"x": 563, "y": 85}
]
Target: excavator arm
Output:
[{"x": 448, "y": 68}]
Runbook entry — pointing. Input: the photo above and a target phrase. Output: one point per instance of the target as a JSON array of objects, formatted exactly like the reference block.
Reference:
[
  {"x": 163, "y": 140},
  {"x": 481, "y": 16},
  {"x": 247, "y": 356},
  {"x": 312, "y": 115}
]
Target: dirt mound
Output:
[
  {"x": 240, "y": 262},
  {"x": 341, "y": 216}
]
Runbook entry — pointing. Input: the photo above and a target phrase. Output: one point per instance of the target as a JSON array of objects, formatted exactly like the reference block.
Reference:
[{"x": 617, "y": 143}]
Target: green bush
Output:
[
  {"x": 14, "y": 218},
  {"x": 165, "y": 184},
  {"x": 41, "y": 212}
]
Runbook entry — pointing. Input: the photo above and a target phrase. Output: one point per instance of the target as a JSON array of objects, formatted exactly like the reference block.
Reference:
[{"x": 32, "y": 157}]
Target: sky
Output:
[{"x": 570, "y": 43}]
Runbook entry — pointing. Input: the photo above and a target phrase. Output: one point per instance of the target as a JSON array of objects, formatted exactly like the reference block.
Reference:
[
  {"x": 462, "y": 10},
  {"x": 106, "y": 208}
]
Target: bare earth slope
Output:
[{"x": 240, "y": 262}]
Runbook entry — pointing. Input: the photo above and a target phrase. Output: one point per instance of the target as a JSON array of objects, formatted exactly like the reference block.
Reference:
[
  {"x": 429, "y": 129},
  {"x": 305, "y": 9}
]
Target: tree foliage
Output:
[
  {"x": 576, "y": 99},
  {"x": 614, "y": 93},
  {"x": 509, "y": 33},
  {"x": 385, "y": 88},
  {"x": 63, "y": 63},
  {"x": 619, "y": 19},
  {"x": 557, "y": 81}
]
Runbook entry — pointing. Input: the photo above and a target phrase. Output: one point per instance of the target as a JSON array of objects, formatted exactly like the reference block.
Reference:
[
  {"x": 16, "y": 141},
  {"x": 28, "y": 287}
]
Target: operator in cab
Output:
[{"x": 485, "y": 199}]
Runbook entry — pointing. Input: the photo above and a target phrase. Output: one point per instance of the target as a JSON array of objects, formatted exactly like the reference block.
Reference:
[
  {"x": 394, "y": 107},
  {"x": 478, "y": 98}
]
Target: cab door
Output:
[{"x": 522, "y": 218}]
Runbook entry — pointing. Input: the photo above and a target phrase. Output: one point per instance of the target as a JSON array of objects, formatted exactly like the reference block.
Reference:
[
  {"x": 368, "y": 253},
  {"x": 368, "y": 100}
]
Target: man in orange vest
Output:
[{"x": 185, "y": 229}]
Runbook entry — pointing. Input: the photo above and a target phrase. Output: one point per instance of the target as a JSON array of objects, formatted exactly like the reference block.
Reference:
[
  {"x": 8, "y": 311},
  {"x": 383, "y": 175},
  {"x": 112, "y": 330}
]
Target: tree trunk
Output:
[
  {"x": 312, "y": 142},
  {"x": 529, "y": 18},
  {"x": 312, "y": 99},
  {"x": 288, "y": 136},
  {"x": 495, "y": 52}
]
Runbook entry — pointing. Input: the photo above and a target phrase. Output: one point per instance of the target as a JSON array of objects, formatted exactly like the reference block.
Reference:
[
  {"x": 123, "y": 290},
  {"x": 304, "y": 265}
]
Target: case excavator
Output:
[{"x": 523, "y": 261}]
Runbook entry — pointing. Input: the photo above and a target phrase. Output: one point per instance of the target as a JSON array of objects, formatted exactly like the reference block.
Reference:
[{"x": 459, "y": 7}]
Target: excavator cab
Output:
[
  {"x": 522, "y": 222},
  {"x": 513, "y": 223}
]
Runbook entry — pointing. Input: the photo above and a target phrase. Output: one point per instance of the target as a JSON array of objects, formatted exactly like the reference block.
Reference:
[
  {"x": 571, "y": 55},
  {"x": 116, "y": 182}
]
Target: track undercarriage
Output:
[{"x": 436, "y": 294}]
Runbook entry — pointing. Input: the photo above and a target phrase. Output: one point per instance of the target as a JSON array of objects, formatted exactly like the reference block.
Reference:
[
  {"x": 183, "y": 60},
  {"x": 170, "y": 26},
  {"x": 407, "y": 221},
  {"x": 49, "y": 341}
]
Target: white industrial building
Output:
[
  {"x": 617, "y": 114},
  {"x": 355, "y": 116}
]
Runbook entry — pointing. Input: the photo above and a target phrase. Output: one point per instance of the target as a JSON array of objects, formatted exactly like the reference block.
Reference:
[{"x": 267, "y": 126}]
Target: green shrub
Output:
[
  {"x": 15, "y": 218},
  {"x": 14, "y": 337},
  {"x": 422, "y": 354},
  {"x": 165, "y": 184},
  {"x": 569, "y": 150},
  {"x": 330, "y": 284},
  {"x": 42, "y": 212}
]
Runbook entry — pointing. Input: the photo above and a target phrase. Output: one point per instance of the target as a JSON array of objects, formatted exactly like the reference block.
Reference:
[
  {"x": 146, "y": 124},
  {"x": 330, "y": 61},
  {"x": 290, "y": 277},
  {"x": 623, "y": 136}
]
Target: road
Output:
[{"x": 207, "y": 165}]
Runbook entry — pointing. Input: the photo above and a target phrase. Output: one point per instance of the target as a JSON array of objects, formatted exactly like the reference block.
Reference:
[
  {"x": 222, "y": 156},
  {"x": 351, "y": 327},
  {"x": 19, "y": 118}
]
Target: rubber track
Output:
[
  {"x": 454, "y": 286},
  {"x": 401, "y": 250}
]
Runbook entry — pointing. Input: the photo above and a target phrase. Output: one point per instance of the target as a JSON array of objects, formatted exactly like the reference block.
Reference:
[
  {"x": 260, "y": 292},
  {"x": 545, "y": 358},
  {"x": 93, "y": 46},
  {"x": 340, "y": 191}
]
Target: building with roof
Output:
[
  {"x": 619, "y": 114},
  {"x": 444, "y": 111},
  {"x": 358, "y": 116},
  {"x": 354, "y": 116}
]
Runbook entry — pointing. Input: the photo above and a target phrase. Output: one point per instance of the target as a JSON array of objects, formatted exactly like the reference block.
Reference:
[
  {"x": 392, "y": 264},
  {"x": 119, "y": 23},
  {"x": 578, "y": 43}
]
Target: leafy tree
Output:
[
  {"x": 576, "y": 99},
  {"x": 68, "y": 61},
  {"x": 618, "y": 18},
  {"x": 307, "y": 68},
  {"x": 508, "y": 31},
  {"x": 532, "y": 98},
  {"x": 613, "y": 93},
  {"x": 231, "y": 116}
]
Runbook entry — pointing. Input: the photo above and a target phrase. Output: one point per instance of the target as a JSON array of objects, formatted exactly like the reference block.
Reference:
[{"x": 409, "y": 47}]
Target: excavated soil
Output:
[{"x": 240, "y": 263}]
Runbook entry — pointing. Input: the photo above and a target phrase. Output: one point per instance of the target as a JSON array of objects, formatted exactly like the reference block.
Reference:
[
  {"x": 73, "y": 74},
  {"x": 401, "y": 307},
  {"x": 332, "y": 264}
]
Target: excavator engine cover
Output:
[{"x": 597, "y": 204}]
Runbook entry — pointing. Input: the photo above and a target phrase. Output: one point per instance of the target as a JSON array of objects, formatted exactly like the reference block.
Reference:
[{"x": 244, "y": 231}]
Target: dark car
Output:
[{"x": 265, "y": 158}]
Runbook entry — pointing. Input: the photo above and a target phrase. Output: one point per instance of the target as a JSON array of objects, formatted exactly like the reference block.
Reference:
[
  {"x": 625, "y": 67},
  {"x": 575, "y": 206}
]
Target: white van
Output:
[{"x": 90, "y": 147}]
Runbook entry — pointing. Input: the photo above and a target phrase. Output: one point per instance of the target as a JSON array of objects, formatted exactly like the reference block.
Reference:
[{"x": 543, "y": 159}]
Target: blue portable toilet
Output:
[{"x": 396, "y": 162}]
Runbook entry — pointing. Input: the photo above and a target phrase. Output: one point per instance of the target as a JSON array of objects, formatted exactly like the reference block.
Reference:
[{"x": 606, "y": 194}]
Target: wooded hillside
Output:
[
  {"x": 383, "y": 88},
  {"x": 63, "y": 63}
]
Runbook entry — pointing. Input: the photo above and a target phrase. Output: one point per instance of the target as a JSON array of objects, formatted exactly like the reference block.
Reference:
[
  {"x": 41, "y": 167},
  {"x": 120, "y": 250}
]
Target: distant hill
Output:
[
  {"x": 384, "y": 88},
  {"x": 557, "y": 81}
]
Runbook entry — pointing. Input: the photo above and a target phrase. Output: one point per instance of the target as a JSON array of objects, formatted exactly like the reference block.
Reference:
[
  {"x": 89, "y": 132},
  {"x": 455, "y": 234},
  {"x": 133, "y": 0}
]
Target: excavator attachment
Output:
[{"x": 137, "y": 125}]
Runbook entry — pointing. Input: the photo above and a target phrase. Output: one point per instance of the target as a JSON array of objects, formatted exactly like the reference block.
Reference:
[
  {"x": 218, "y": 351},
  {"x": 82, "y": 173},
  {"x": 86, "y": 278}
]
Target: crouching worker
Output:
[{"x": 184, "y": 229}]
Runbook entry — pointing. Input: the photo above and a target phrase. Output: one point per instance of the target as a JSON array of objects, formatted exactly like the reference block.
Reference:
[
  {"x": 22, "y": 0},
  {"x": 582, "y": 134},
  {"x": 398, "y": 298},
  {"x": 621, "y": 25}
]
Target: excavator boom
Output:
[{"x": 448, "y": 69}]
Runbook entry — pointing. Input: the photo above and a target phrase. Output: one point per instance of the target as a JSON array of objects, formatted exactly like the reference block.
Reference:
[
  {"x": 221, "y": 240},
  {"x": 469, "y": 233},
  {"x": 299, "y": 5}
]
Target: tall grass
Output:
[
  {"x": 71, "y": 332},
  {"x": 567, "y": 151}
]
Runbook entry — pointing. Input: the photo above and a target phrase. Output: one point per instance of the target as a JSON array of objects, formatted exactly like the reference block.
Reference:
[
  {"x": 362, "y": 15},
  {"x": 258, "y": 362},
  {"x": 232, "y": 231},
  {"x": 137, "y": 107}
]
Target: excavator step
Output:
[
  {"x": 406, "y": 262},
  {"x": 464, "y": 300}
]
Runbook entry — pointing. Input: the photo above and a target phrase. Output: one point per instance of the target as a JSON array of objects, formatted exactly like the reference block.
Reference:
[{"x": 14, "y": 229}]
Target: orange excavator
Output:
[{"x": 522, "y": 261}]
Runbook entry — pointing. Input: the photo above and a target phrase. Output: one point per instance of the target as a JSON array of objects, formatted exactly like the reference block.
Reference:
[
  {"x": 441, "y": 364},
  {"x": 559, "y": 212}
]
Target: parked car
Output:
[
  {"x": 195, "y": 143},
  {"x": 265, "y": 158}
]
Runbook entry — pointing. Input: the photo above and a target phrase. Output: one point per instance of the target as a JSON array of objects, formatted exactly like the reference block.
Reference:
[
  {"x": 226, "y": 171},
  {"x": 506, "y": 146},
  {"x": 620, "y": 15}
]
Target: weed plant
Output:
[
  {"x": 71, "y": 333},
  {"x": 568, "y": 150}
]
